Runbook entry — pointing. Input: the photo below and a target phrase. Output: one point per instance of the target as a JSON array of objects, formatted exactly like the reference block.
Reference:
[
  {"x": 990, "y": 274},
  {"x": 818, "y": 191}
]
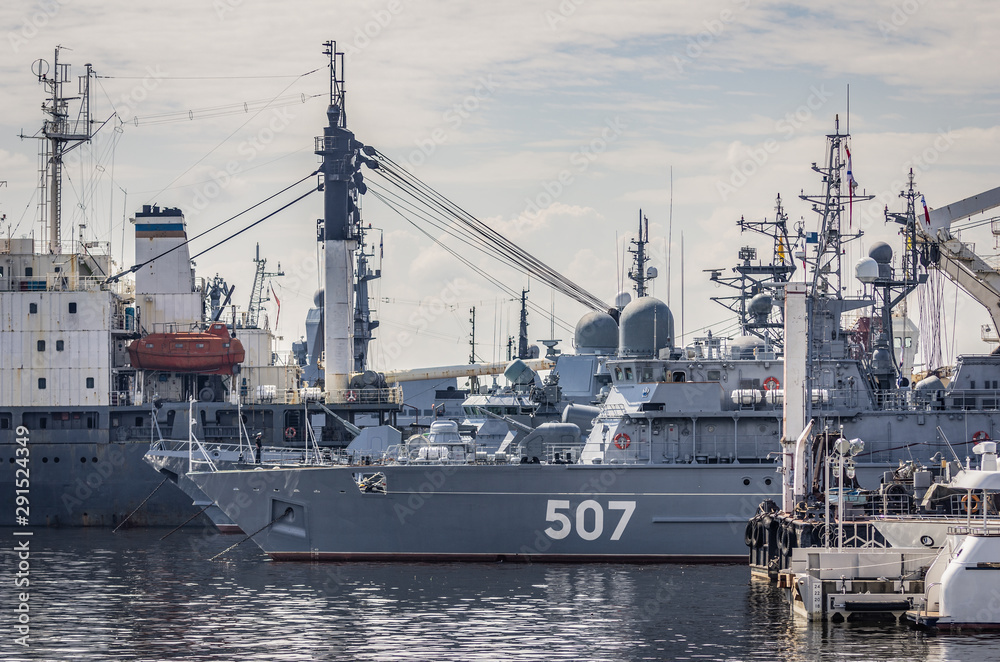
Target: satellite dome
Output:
[
  {"x": 318, "y": 298},
  {"x": 596, "y": 333},
  {"x": 646, "y": 327},
  {"x": 866, "y": 270},
  {"x": 760, "y": 306},
  {"x": 744, "y": 346},
  {"x": 622, "y": 299},
  {"x": 931, "y": 383},
  {"x": 881, "y": 252}
]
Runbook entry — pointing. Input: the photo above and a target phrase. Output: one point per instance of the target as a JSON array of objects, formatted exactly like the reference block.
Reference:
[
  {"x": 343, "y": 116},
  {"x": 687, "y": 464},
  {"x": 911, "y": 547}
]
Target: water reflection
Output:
[{"x": 128, "y": 596}]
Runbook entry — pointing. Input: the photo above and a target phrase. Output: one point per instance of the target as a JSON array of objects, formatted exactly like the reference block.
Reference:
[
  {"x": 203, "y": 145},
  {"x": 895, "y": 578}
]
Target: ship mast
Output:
[
  {"x": 60, "y": 134},
  {"x": 258, "y": 296},
  {"x": 838, "y": 193},
  {"x": 639, "y": 273},
  {"x": 342, "y": 157}
]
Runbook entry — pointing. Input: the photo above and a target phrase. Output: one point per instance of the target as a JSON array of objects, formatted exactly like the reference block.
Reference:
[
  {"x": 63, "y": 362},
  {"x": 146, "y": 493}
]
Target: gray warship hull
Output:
[
  {"x": 520, "y": 512},
  {"x": 91, "y": 484}
]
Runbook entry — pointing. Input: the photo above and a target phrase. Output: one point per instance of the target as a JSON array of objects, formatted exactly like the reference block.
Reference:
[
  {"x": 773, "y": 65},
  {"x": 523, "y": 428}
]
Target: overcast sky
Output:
[{"x": 555, "y": 121}]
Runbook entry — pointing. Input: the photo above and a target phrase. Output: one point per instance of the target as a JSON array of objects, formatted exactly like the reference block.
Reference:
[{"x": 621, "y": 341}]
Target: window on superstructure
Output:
[
  {"x": 32, "y": 308},
  {"x": 41, "y": 345},
  {"x": 29, "y": 272},
  {"x": 72, "y": 307},
  {"x": 41, "y": 382},
  {"x": 90, "y": 382},
  {"x": 628, "y": 374},
  {"x": 60, "y": 345}
]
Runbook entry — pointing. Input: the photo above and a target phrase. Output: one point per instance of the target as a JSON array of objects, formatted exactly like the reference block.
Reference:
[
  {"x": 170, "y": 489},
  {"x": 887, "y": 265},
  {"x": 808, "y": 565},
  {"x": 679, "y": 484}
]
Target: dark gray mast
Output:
[
  {"x": 339, "y": 230},
  {"x": 639, "y": 274},
  {"x": 363, "y": 322},
  {"x": 523, "y": 351},
  {"x": 754, "y": 281}
]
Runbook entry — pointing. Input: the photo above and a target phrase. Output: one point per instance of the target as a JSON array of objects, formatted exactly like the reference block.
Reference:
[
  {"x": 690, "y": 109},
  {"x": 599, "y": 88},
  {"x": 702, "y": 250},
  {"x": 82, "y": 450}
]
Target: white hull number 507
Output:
[{"x": 565, "y": 525}]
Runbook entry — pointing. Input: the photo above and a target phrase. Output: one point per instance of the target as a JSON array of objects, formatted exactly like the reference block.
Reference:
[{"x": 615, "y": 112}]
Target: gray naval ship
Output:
[
  {"x": 686, "y": 443},
  {"x": 78, "y": 409}
]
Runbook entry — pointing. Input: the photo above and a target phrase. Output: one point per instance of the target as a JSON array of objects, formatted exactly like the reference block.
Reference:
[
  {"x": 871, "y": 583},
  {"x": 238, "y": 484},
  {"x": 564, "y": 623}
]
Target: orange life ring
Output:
[
  {"x": 351, "y": 396},
  {"x": 771, "y": 383},
  {"x": 970, "y": 505},
  {"x": 289, "y": 433},
  {"x": 982, "y": 435},
  {"x": 622, "y": 440}
]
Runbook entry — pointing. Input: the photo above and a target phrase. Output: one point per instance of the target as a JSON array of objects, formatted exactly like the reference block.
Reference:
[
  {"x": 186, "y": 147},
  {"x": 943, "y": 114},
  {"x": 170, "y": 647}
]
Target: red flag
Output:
[
  {"x": 851, "y": 185},
  {"x": 927, "y": 213},
  {"x": 277, "y": 301}
]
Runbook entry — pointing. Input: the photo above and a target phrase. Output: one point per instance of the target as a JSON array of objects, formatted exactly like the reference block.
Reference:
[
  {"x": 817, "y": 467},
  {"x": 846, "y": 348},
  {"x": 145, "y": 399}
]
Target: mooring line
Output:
[
  {"x": 187, "y": 520},
  {"x": 140, "y": 505},
  {"x": 288, "y": 511}
]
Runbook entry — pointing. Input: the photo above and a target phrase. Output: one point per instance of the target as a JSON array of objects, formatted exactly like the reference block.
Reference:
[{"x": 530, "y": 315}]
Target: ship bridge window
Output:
[
  {"x": 714, "y": 375},
  {"x": 679, "y": 376},
  {"x": 647, "y": 374},
  {"x": 72, "y": 307},
  {"x": 618, "y": 374},
  {"x": 32, "y": 308},
  {"x": 628, "y": 374}
]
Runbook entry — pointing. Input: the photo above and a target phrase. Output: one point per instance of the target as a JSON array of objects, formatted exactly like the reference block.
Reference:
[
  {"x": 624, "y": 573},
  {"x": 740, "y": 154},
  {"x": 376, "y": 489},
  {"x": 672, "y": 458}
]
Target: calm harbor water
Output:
[{"x": 95, "y": 595}]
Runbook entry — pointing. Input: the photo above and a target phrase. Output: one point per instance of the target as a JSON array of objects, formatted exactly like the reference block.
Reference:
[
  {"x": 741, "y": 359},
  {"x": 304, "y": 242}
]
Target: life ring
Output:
[
  {"x": 289, "y": 433},
  {"x": 351, "y": 396},
  {"x": 771, "y": 384},
  {"x": 982, "y": 435},
  {"x": 622, "y": 440},
  {"x": 971, "y": 505}
]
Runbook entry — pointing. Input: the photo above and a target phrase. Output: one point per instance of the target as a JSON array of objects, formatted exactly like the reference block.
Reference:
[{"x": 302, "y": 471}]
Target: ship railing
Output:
[
  {"x": 975, "y": 530},
  {"x": 120, "y": 398},
  {"x": 611, "y": 412},
  {"x": 367, "y": 396}
]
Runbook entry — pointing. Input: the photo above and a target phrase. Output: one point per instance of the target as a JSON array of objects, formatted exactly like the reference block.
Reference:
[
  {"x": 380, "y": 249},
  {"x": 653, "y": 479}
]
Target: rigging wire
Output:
[
  {"x": 226, "y": 139},
  {"x": 136, "y": 267},
  {"x": 393, "y": 174},
  {"x": 385, "y": 200}
]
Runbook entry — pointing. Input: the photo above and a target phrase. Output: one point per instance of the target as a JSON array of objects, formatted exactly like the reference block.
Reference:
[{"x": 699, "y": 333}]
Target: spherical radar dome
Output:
[
  {"x": 596, "y": 332},
  {"x": 646, "y": 327}
]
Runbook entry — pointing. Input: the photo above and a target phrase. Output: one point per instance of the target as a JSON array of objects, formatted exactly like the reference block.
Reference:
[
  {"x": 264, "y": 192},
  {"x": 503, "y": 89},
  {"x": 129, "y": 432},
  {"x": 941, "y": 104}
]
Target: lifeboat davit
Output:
[{"x": 211, "y": 352}]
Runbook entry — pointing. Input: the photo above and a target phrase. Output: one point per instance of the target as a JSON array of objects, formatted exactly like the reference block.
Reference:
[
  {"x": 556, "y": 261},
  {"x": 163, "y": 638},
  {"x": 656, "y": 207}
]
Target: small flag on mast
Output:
[
  {"x": 277, "y": 301},
  {"x": 927, "y": 213},
  {"x": 851, "y": 185}
]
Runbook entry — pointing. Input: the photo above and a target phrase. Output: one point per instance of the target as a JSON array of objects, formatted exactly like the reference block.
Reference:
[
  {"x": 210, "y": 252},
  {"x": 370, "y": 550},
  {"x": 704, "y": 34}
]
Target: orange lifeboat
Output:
[{"x": 211, "y": 352}]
